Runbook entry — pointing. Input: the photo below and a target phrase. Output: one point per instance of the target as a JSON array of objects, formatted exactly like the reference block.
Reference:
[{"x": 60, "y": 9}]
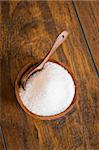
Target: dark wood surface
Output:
[
  {"x": 27, "y": 32},
  {"x": 89, "y": 19}
]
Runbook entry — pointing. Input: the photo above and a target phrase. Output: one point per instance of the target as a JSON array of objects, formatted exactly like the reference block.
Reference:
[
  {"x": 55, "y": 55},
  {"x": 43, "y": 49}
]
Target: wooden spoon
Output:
[{"x": 60, "y": 39}]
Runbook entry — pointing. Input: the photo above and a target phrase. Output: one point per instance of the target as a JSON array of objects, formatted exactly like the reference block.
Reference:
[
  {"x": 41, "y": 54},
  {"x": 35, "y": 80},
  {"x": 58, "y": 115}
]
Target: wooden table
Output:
[{"x": 27, "y": 32}]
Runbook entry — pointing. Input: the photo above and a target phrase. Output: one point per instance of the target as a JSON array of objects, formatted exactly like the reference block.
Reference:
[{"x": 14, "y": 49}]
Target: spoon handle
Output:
[{"x": 60, "y": 39}]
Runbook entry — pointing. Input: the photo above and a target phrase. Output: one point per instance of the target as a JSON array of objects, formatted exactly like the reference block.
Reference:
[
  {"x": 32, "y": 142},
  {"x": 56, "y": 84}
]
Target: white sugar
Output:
[{"x": 49, "y": 91}]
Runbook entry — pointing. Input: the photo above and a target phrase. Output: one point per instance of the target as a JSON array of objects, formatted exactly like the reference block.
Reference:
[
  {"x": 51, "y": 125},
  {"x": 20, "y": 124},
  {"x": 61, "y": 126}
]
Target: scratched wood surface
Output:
[{"x": 27, "y": 32}]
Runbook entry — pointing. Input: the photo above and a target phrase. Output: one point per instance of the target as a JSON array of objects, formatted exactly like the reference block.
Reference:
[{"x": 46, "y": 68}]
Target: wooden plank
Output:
[
  {"x": 1, "y": 144},
  {"x": 88, "y": 16},
  {"x": 2, "y": 141},
  {"x": 1, "y": 134},
  {"x": 40, "y": 23}
]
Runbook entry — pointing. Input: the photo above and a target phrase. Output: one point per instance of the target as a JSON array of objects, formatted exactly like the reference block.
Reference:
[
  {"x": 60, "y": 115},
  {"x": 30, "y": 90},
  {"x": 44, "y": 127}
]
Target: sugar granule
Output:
[{"x": 49, "y": 91}]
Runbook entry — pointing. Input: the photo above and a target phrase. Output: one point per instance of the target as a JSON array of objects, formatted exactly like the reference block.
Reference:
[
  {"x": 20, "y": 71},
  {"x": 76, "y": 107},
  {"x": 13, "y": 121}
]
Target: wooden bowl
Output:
[{"x": 17, "y": 85}]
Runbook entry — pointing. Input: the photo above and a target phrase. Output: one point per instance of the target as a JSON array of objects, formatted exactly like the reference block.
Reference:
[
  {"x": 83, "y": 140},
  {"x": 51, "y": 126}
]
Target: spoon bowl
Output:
[{"x": 17, "y": 86}]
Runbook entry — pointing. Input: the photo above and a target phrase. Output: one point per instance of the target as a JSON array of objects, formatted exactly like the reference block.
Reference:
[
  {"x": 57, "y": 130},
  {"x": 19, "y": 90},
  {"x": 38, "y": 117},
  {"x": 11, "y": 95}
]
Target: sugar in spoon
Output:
[{"x": 60, "y": 39}]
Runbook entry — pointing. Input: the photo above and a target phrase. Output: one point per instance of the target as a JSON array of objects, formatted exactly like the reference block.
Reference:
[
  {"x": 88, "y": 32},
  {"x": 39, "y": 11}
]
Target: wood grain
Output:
[
  {"x": 89, "y": 18},
  {"x": 28, "y": 30}
]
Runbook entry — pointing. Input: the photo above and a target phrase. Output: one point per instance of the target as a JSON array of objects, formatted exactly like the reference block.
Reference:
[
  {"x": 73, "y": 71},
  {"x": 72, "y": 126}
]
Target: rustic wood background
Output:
[{"x": 27, "y": 32}]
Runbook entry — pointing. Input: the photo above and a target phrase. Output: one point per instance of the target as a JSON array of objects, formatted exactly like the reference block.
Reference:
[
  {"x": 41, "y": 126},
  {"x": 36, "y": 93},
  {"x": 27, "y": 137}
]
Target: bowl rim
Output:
[{"x": 52, "y": 117}]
